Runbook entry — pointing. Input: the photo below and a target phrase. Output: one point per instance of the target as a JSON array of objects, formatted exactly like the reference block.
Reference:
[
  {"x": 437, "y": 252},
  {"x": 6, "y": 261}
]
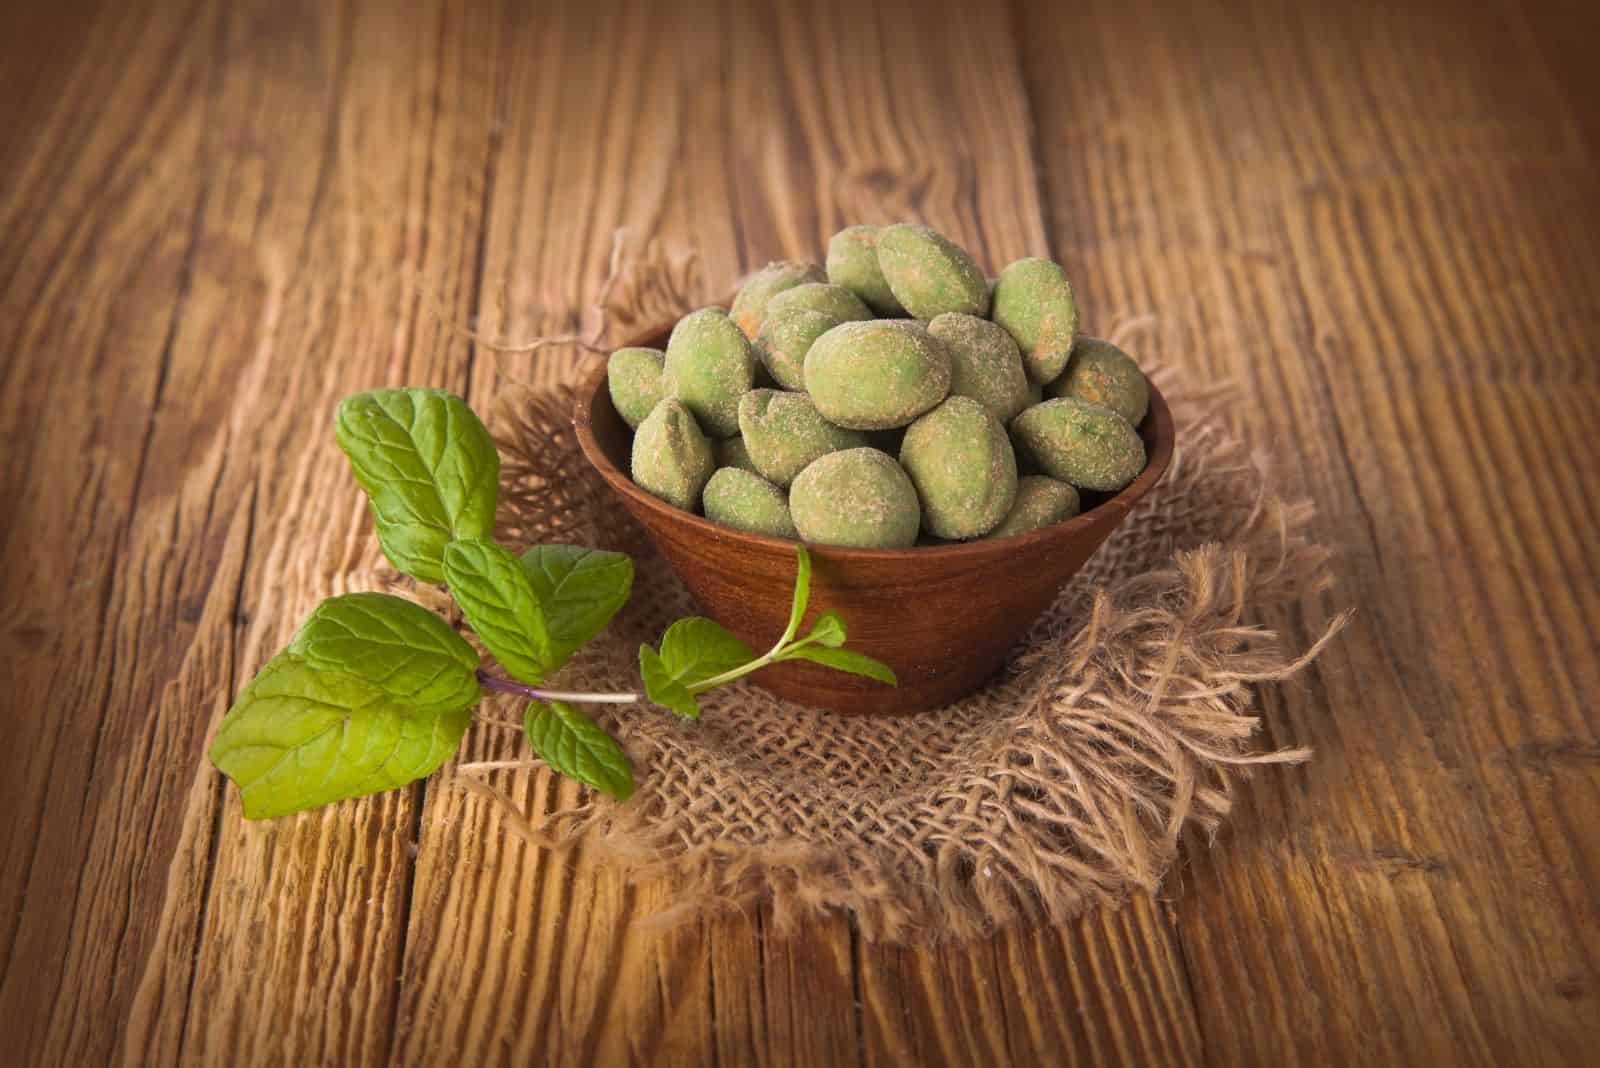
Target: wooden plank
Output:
[{"x": 1416, "y": 336}]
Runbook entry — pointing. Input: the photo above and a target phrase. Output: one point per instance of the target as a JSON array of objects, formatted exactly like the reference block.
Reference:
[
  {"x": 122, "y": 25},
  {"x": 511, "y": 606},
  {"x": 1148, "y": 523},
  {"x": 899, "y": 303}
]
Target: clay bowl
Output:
[{"x": 943, "y": 616}]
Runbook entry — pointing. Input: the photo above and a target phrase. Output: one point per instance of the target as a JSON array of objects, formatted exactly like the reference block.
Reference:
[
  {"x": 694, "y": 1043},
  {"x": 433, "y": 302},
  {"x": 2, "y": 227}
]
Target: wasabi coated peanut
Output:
[
  {"x": 747, "y": 501},
  {"x": 1033, "y": 301},
  {"x": 960, "y": 460},
  {"x": 1041, "y": 502},
  {"x": 853, "y": 263},
  {"x": 986, "y": 364},
  {"x": 730, "y": 452},
  {"x": 784, "y": 432},
  {"x": 831, "y": 300},
  {"x": 750, "y": 306},
  {"x": 877, "y": 375},
  {"x": 859, "y": 498},
  {"x": 672, "y": 459},
  {"x": 784, "y": 340},
  {"x": 929, "y": 274},
  {"x": 634, "y": 379},
  {"x": 1089, "y": 446},
  {"x": 709, "y": 366},
  {"x": 1103, "y": 374}
]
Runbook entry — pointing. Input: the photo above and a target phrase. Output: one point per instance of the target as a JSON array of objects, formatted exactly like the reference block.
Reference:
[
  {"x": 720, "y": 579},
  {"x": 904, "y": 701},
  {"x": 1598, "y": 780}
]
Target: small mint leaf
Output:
[
  {"x": 802, "y": 593},
  {"x": 496, "y": 595},
  {"x": 828, "y": 629},
  {"x": 430, "y": 470},
  {"x": 577, "y": 747},
  {"x": 580, "y": 590},
  {"x": 663, "y": 688},
  {"x": 696, "y": 649},
  {"x": 846, "y": 660},
  {"x": 394, "y": 644}
]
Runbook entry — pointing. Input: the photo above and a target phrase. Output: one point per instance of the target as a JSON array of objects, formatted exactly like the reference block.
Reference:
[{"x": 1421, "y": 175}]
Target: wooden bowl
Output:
[{"x": 943, "y": 616}]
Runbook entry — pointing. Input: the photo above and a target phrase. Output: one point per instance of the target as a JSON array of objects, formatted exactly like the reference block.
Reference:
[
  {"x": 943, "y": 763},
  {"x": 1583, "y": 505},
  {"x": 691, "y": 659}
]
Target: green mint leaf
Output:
[
  {"x": 696, "y": 649},
  {"x": 845, "y": 660},
  {"x": 429, "y": 468},
  {"x": 580, "y": 590},
  {"x": 828, "y": 629},
  {"x": 663, "y": 688},
  {"x": 301, "y": 735},
  {"x": 398, "y": 646},
  {"x": 496, "y": 595},
  {"x": 577, "y": 747},
  {"x": 802, "y": 594}
]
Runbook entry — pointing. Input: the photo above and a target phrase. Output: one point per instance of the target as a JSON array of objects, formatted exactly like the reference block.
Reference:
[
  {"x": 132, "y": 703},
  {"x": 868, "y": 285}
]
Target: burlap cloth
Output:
[{"x": 1127, "y": 714}]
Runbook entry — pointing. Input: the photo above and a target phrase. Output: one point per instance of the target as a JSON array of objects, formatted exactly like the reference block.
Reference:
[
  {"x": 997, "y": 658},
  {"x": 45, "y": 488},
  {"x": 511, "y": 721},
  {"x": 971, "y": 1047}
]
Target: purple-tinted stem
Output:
[{"x": 534, "y": 693}]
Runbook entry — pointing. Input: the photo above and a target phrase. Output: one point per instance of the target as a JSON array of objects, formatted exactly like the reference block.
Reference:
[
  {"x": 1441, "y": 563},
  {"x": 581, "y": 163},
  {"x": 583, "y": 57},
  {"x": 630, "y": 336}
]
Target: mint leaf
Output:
[
  {"x": 302, "y": 735},
  {"x": 576, "y": 746},
  {"x": 398, "y": 646},
  {"x": 580, "y": 590},
  {"x": 828, "y": 629},
  {"x": 496, "y": 595},
  {"x": 662, "y": 687},
  {"x": 802, "y": 594},
  {"x": 845, "y": 660},
  {"x": 696, "y": 649},
  {"x": 429, "y": 468}
]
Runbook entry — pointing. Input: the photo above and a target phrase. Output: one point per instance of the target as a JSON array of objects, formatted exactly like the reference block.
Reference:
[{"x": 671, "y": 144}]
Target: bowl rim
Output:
[{"x": 591, "y": 385}]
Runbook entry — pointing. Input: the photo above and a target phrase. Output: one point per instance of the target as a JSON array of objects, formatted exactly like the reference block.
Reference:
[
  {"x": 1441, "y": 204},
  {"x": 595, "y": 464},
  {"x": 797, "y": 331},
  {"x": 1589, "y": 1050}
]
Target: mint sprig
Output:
[
  {"x": 699, "y": 654},
  {"x": 374, "y": 691}
]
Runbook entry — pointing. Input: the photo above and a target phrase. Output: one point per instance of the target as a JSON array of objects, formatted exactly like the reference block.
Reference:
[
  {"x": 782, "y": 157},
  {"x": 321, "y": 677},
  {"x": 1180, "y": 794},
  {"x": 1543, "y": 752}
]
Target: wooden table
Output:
[{"x": 216, "y": 219}]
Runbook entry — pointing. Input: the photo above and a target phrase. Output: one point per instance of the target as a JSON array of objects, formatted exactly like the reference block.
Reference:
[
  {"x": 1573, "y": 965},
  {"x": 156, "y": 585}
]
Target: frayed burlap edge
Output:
[{"x": 1125, "y": 716}]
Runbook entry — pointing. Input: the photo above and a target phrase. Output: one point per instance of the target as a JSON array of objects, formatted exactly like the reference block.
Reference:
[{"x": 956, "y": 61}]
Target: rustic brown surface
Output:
[{"x": 216, "y": 219}]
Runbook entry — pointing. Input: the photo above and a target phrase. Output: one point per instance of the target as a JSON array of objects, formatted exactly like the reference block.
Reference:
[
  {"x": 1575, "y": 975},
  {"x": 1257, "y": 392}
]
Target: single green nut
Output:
[
  {"x": 859, "y": 498},
  {"x": 960, "y": 460},
  {"x": 709, "y": 366},
  {"x": 877, "y": 375},
  {"x": 784, "y": 340},
  {"x": 853, "y": 263},
  {"x": 747, "y": 501},
  {"x": 1041, "y": 502},
  {"x": 1103, "y": 374},
  {"x": 986, "y": 364},
  {"x": 750, "y": 306},
  {"x": 930, "y": 274},
  {"x": 836, "y": 301},
  {"x": 672, "y": 459},
  {"x": 783, "y": 432},
  {"x": 634, "y": 378},
  {"x": 1085, "y": 444},
  {"x": 731, "y": 452},
  {"x": 1033, "y": 301}
]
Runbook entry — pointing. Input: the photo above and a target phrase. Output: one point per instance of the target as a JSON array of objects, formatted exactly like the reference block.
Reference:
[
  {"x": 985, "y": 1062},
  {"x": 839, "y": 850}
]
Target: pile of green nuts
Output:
[{"x": 894, "y": 395}]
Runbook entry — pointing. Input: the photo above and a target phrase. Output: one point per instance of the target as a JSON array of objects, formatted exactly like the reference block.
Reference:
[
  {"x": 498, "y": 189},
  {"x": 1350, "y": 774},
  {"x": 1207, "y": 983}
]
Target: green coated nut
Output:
[
  {"x": 1033, "y": 301},
  {"x": 672, "y": 459},
  {"x": 709, "y": 366},
  {"x": 1089, "y": 446},
  {"x": 1103, "y": 374},
  {"x": 859, "y": 498},
  {"x": 750, "y": 306},
  {"x": 986, "y": 364},
  {"x": 960, "y": 460},
  {"x": 929, "y": 274},
  {"x": 1041, "y": 502},
  {"x": 853, "y": 263},
  {"x": 832, "y": 300},
  {"x": 877, "y": 375},
  {"x": 784, "y": 340},
  {"x": 731, "y": 452},
  {"x": 784, "y": 432},
  {"x": 634, "y": 378},
  {"x": 747, "y": 501}
]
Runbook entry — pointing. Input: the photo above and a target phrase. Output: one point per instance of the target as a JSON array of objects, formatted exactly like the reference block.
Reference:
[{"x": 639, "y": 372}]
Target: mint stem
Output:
[{"x": 534, "y": 693}]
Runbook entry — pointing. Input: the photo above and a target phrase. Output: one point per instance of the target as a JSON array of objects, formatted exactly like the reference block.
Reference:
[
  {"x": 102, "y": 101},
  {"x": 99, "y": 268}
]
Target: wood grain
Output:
[{"x": 217, "y": 219}]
